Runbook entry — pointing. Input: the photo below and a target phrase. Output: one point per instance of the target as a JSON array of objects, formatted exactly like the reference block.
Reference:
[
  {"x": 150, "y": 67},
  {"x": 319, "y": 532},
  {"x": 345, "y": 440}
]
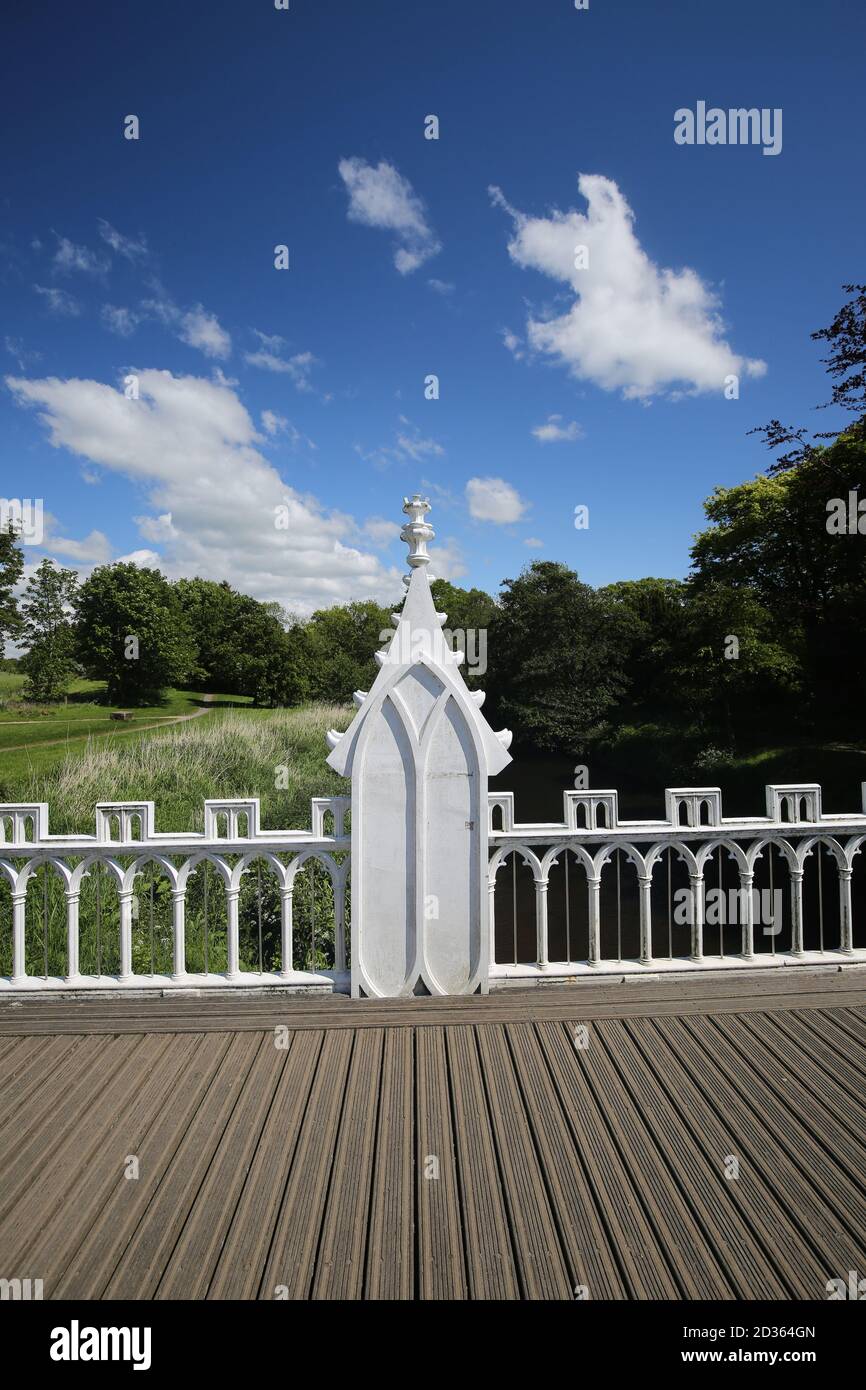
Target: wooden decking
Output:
[{"x": 438, "y": 1149}]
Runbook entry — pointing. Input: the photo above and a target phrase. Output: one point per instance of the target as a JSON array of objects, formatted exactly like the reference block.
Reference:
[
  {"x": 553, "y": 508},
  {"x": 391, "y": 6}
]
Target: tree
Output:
[
  {"x": 48, "y": 632},
  {"x": 235, "y": 636},
  {"x": 342, "y": 641},
  {"x": 781, "y": 539},
  {"x": 131, "y": 632},
  {"x": 656, "y": 608},
  {"x": 556, "y": 655},
  {"x": 11, "y": 570},
  {"x": 846, "y": 363}
]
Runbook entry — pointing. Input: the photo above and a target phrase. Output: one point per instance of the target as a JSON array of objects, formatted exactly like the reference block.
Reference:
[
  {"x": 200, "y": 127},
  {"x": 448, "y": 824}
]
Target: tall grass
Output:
[{"x": 225, "y": 754}]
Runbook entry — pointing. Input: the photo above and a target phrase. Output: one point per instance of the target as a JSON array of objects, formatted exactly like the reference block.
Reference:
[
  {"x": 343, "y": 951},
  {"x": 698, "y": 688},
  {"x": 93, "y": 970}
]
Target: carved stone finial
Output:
[{"x": 417, "y": 532}]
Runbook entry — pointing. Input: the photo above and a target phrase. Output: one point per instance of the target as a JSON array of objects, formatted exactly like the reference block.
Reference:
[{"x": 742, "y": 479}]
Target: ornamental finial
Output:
[{"x": 417, "y": 532}]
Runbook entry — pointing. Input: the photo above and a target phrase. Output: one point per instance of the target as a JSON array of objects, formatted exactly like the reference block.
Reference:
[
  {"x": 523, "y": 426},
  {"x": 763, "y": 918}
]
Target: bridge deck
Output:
[{"x": 440, "y": 1148}]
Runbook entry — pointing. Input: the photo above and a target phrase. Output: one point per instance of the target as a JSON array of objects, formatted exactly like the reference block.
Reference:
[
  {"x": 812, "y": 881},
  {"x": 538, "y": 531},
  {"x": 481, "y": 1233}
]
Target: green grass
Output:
[
  {"x": 228, "y": 753},
  {"x": 35, "y": 738}
]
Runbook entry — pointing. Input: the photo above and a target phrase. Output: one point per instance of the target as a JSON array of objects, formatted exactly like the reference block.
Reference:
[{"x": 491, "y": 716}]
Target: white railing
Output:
[
  {"x": 127, "y": 897},
  {"x": 767, "y": 890}
]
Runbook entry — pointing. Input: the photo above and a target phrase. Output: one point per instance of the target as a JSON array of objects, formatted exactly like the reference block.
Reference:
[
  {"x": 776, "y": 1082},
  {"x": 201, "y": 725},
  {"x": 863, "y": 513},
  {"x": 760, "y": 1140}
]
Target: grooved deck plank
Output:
[
  {"x": 242, "y": 1260},
  {"x": 835, "y": 1099},
  {"x": 703, "y": 1182},
  {"x": 149, "y": 1252},
  {"x": 776, "y": 1094},
  {"x": 793, "y": 987},
  {"x": 489, "y": 1265},
  {"x": 27, "y": 1066},
  {"x": 93, "y": 1263},
  {"x": 440, "y": 1261},
  {"x": 307, "y": 1167},
  {"x": 391, "y": 1238},
  {"x": 756, "y": 1189},
  {"x": 592, "y": 1261},
  {"x": 41, "y": 1192},
  {"x": 62, "y": 1098},
  {"x": 103, "y": 1174},
  {"x": 641, "y": 1255},
  {"x": 700, "y": 1272},
  {"x": 195, "y": 1255},
  {"x": 764, "y": 1137},
  {"x": 340, "y": 1261},
  {"x": 290, "y": 1264},
  {"x": 540, "y": 1264}
]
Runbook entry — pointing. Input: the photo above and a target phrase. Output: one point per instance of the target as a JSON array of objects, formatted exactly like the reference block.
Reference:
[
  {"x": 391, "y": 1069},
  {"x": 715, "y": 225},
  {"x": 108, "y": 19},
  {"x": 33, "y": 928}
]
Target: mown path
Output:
[{"x": 113, "y": 733}]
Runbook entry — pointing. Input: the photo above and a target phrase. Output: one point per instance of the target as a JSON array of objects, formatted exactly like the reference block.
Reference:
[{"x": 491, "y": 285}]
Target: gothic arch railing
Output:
[
  {"x": 752, "y": 891},
  {"x": 221, "y": 908}
]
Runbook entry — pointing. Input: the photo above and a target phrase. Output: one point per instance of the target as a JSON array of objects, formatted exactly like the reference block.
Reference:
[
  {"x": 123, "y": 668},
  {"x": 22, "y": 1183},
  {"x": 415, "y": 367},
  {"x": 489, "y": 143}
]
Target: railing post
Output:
[
  {"x": 73, "y": 968},
  {"x": 19, "y": 918},
  {"x": 846, "y": 925},
  {"x": 748, "y": 909},
  {"x": 286, "y": 944},
  {"x": 233, "y": 933},
  {"x": 594, "y": 920},
  {"x": 645, "y": 884},
  {"x": 697, "y": 883},
  {"x": 340, "y": 923},
  {"x": 541, "y": 923},
  {"x": 796, "y": 912},
  {"x": 491, "y": 915},
  {"x": 178, "y": 929},
  {"x": 125, "y": 896}
]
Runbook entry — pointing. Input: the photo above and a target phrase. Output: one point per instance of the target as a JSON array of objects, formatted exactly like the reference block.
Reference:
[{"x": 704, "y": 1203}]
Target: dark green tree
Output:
[
  {"x": 557, "y": 657},
  {"x": 11, "y": 570},
  {"x": 342, "y": 642},
  {"x": 48, "y": 632},
  {"x": 131, "y": 632}
]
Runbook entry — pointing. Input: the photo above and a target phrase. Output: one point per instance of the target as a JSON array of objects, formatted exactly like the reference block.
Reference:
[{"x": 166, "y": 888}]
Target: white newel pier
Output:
[
  {"x": 419, "y": 753},
  {"x": 437, "y": 888}
]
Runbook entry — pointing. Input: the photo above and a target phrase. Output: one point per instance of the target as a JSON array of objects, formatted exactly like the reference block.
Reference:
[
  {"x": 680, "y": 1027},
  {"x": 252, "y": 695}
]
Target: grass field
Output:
[{"x": 276, "y": 755}]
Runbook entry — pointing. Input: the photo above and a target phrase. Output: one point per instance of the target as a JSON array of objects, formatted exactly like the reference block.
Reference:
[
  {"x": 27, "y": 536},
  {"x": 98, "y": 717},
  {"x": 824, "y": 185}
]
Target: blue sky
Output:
[{"x": 259, "y": 388}]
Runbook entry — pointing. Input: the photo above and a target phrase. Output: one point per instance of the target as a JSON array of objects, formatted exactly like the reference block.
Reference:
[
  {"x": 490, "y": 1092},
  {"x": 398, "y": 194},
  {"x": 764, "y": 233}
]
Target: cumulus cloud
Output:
[
  {"x": 633, "y": 326},
  {"x": 191, "y": 445},
  {"x": 492, "y": 499},
  {"x": 379, "y": 196},
  {"x": 553, "y": 431}
]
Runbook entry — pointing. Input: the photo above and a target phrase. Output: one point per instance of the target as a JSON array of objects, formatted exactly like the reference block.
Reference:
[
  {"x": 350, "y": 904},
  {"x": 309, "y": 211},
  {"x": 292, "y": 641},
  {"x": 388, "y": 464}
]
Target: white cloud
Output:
[
  {"x": 514, "y": 344},
  {"x": 95, "y": 549},
  {"x": 553, "y": 431},
  {"x": 443, "y": 287},
  {"x": 118, "y": 320},
  {"x": 274, "y": 423},
  {"x": 191, "y": 444},
  {"x": 196, "y": 326},
  {"x": 123, "y": 245},
  {"x": 492, "y": 499},
  {"x": 59, "y": 302},
  {"x": 634, "y": 326},
  {"x": 380, "y": 531},
  {"x": 24, "y": 356},
  {"x": 409, "y": 444},
  {"x": 297, "y": 368},
  {"x": 379, "y": 196},
  {"x": 69, "y": 257},
  {"x": 202, "y": 330},
  {"x": 534, "y": 543}
]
